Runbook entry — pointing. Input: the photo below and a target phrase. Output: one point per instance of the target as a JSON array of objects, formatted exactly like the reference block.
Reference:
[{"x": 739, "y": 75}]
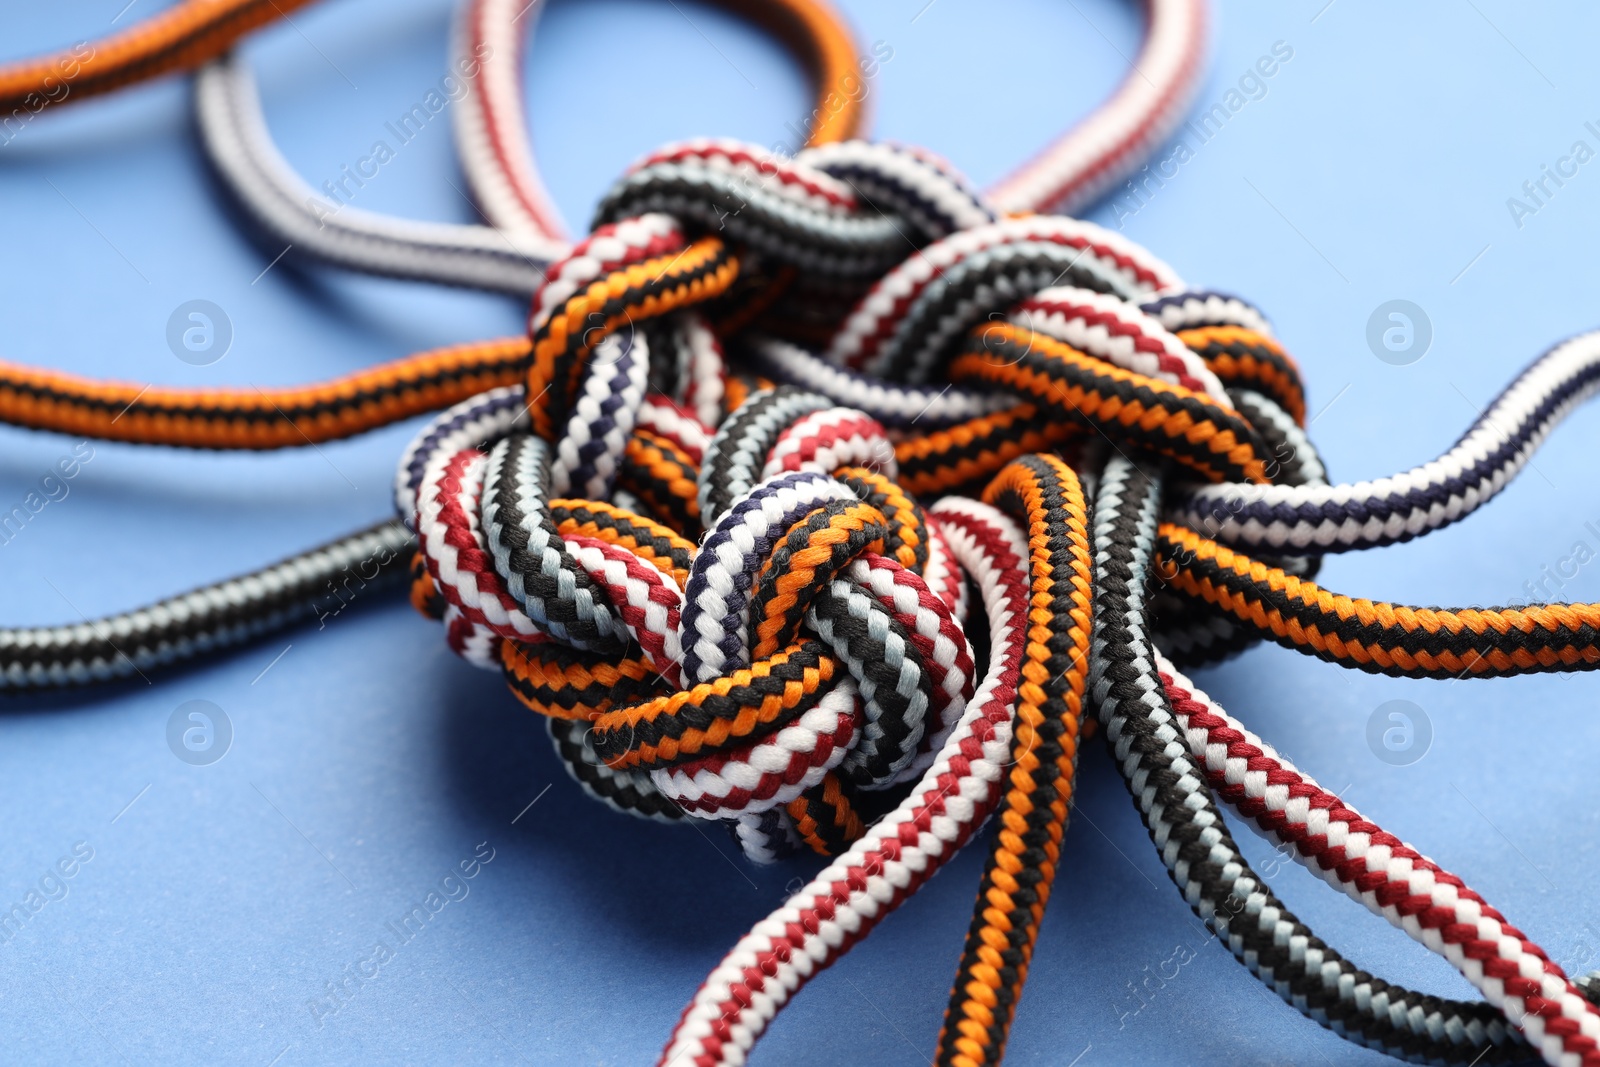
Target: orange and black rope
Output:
[
  {"x": 1375, "y": 636},
  {"x": 638, "y": 291},
  {"x": 746, "y": 703},
  {"x": 1136, "y": 410},
  {"x": 180, "y": 38},
  {"x": 964, "y": 458},
  {"x": 263, "y": 417},
  {"x": 1044, "y": 493},
  {"x": 662, "y": 475},
  {"x": 1244, "y": 358}
]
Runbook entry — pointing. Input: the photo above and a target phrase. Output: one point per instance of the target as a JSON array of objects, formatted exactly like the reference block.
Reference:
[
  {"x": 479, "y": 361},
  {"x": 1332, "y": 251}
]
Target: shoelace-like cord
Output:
[
  {"x": 1154, "y": 395},
  {"x": 525, "y": 234},
  {"x": 1134, "y": 688},
  {"x": 1074, "y": 171},
  {"x": 181, "y": 38},
  {"x": 1223, "y": 451}
]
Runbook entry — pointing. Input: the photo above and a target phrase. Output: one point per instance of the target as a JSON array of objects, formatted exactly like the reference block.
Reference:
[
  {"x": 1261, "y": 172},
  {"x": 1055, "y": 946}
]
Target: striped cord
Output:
[
  {"x": 180, "y": 38},
  {"x": 1555, "y": 1014},
  {"x": 1016, "y": 883},
  {"x": 1115, "y": 140},
  {"x": 526, "y": 230},
  {"x": 1378, "y": 637},
  {"x": 312, "y": 585},
  {"x": 1191, "y": 837},
  {"x": 492, "y": 135},
  {"x": 901, "y": 851},
  {"x": 233, "y": 132},
  {"x": 1337, "y": 518},
  {"x": 525, "y": 234}
]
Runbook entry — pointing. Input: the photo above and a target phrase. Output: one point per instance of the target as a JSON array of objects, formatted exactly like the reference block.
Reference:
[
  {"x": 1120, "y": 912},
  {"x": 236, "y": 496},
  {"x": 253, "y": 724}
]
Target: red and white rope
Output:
[
  {"x": 491, "y": 124},
  {"x": 1117, "y": 138},
  {"x": 1119, "y": 333},
  {"x": 826, "y": 440},
  {"x": 881, "y": 311},
  {"x": 773, "y": 770}
]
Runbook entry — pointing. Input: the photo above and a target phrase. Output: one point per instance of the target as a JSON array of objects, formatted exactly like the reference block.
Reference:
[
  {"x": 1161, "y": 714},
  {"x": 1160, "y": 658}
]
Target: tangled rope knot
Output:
[
  {"x": 688, "y": 525},
  {"x": 721, "y": 516},
  {"x": 808, "y": 643},
  {"x": 806, "y": 651}
]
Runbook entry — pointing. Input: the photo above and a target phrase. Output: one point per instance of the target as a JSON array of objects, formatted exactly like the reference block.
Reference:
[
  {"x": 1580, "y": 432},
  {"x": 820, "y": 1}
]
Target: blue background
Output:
[{"x": 367, "y": 761}]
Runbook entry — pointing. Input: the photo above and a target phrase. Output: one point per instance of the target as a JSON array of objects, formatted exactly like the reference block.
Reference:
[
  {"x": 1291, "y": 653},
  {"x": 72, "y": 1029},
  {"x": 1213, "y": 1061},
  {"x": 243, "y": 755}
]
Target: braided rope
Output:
[
  {"x": 1114, "y": 141},
  {"x": 1336, "y": 518},
  {"x": 838, "y": 907},
  {"x": 492, "y": 137},
  {"x": 1388, "y": 876},
  {"x": 1191, "y": 837},
  {"x": 525, "y": 234},
  {"x": 314, "y": 584},
  {"x": 1377, "y": 637},
  {"x": 1033, "y": 811},
  {"x": 233, "y": 132},
  {"x": 808, "y": 651},
  {"x": 180, "y": 38}
]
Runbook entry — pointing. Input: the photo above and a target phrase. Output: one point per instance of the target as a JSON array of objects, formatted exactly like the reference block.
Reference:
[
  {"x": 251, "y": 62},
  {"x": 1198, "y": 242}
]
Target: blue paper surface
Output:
[{"x": 210, "y": 908}]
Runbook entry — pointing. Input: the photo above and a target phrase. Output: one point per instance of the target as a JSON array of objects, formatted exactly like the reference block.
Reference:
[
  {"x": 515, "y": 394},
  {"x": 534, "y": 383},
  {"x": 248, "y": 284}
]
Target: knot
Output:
[
  {"x": 697, "y": 546},
  {"x": 817, "y": 659},
  {"x": 806, "y": 650},
  {"x": 842, "y": 212},
  {"x": 753, "y": 619},
  {"x": 823, "y": 597},
  {"x": 671, "y": 241}
]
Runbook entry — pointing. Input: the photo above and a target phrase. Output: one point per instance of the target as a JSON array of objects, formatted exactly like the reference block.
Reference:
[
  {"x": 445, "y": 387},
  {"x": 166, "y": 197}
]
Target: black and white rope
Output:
[
  {"x": 1192, "y": 838},
  {"x": 313, "y": 585}
]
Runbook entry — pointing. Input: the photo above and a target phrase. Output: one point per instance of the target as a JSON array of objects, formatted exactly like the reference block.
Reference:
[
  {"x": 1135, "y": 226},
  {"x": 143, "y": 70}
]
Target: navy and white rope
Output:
[
  {"x": 901, "y": 407},
  {"x": 716, "y": 611},
  {"x": 1366, "y": 514}
]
